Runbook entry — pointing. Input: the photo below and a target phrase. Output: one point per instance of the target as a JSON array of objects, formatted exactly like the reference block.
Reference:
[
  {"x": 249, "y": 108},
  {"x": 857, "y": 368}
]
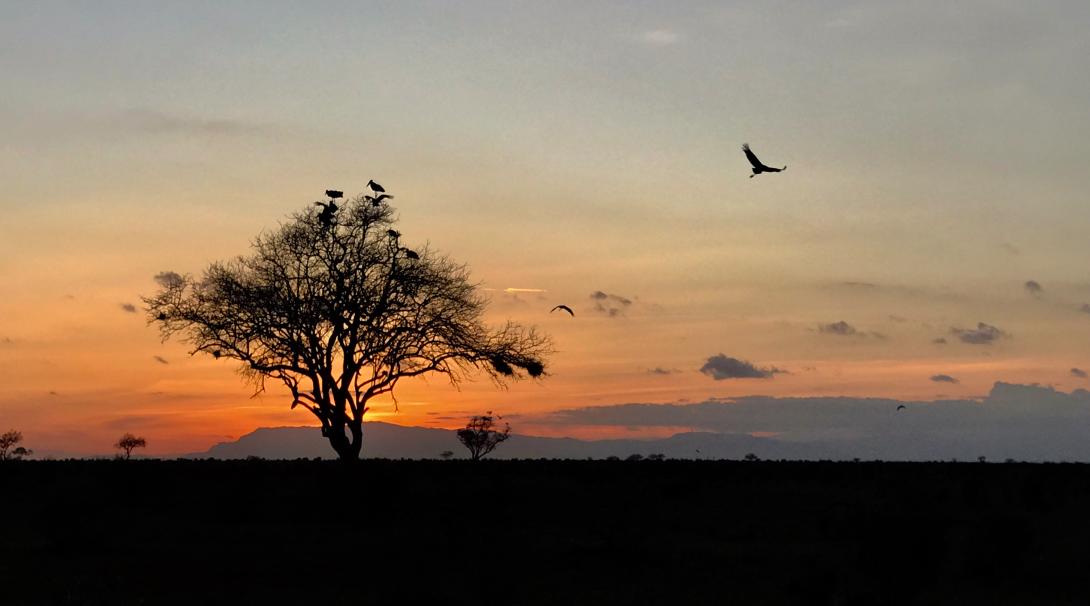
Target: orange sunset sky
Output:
[{"x": 583, "y": 153}]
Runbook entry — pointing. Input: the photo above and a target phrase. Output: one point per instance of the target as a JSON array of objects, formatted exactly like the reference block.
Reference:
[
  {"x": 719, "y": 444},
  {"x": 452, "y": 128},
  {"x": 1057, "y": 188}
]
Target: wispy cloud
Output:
[
  {"x": 983, "y": 334},
  {"x": 1085, "y": 308},
  {"x": 1078, "y": 372},
  {"x": 660, "y": 37},
  {"x": 721, "y": 367},
  {"x": 161, "y": 359},
  {"x": 610, "y": 304},
  {"x": 840, "y": 329},
  {"x": 658, "y": 370},
  {"x": 128, "y": 307},
  {"x": 152, "y": 121},
  {"x": 944, "y": 379}
]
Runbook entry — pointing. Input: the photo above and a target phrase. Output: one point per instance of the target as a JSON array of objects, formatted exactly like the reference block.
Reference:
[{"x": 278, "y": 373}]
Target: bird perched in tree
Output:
[
  {"x": 563, "y": 308},
  {"x": 410, "y": 253},
  {"x": 375, "y": 187},
  {"x": 329, "y": 211},
  {"x": 758, "y": 166},
  {"x": 334, "y": 194},
  {"x": 375, "y": 201},
  {"x": 393, "y": 233}
]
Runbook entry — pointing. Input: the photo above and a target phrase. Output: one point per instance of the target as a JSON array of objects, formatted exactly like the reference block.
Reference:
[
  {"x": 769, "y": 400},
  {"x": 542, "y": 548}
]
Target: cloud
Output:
[
  {"x": 897, "y": 319},
  {"x": 6, "y": 341},
  {"x": 1078, "y": 372},
  {"x": 720, "y": 367},
  {"x": 840, "y": 328},
  {"x": 661, "y": 37},
  {"x": 939, "y": 341},
  {"x": 658, "y": 370},
  {"x": 128, "y": 307},
  {"x": 1085, "y": 308},
  {"x": 1033, "y": 288},
  {"x": 609, "y": 304},
  {"x": 161, "y": 359},
  {"x": 166, "y": 123},
  {"x": 859, "y": 285},
  {"x": 168, "y": 279},
  {"x": 944, "y": 379},
  {"x": 983, "y": 334}
]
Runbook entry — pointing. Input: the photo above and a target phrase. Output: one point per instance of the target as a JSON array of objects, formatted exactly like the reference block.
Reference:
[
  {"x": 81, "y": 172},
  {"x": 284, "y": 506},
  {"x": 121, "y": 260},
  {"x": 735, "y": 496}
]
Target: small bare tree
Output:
[
  {"x": 334, "y": 306},
  {"x": 128, "y": 442},
  {"x": 8, "y": 449},
  {"x": 481, "y": 435}
]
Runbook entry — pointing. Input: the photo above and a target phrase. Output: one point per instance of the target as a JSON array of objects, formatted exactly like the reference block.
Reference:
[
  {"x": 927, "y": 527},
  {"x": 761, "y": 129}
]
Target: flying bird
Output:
[
  {"x": 334, "y": 194},
  {"x": 564, "y": 308},
  {"x": 375, "y": 187},
  {"x": 410, "y": 253},
  {"x": 758, "y": 166},
  {"x": 901, "y": 407}
]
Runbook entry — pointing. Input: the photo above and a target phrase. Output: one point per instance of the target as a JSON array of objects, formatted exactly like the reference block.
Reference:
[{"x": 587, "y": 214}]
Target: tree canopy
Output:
[{"x": 332, "y": 305}]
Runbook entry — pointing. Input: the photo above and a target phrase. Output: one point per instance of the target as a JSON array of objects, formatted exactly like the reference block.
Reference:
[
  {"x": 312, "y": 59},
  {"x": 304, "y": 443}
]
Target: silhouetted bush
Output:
[
  {"x": 8, "y": 449},
  {"x": 128, "y": 443},
  {"x": 481, "y": 437}
]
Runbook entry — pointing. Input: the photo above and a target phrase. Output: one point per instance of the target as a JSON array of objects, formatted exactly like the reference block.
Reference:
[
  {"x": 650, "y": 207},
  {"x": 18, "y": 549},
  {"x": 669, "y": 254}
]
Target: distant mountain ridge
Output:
[{"x": 385, "y": 440}]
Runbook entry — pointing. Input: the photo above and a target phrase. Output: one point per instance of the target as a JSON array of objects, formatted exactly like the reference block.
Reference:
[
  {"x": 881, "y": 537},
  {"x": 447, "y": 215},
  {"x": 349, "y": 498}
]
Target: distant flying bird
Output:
[
  {"x": 393, "y": 233},
  {"x": 334, "y": 194},
  {"x": 375, "y": 187},
  {"x": 901, "y": 407},
  {"x": 410, "y": 253},
  {"x": 758, "y": 166},
  {"x": 564, "y": 308}
]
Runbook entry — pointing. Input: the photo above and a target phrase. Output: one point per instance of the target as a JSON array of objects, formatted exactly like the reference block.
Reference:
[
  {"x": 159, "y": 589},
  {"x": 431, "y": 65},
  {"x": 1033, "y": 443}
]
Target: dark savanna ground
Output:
[{"x": 543, "y": 532}]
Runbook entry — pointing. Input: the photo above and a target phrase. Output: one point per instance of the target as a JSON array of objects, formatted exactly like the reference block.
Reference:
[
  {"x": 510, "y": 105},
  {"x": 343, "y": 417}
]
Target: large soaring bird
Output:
[
  {"x": 758, "y": 166},
  {"x": 563, "y": 308},
  {"x": 334, "y": 194},
  {"x": 375, "y": 187}
]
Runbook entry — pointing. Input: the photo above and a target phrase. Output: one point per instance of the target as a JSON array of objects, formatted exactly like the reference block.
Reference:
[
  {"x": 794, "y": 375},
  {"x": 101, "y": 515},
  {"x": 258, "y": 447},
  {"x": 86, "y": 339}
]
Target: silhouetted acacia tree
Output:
[
  {"x": 9, "y": 451},
  {"x": 128, "y": 443},
  {"x": 481, "y": 435},
  {"x": 339, "y": 311}
]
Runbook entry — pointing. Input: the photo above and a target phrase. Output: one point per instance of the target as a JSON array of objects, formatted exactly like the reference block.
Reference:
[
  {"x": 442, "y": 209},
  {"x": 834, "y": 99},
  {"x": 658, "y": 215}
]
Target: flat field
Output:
[{"x": 543, "y": 532}]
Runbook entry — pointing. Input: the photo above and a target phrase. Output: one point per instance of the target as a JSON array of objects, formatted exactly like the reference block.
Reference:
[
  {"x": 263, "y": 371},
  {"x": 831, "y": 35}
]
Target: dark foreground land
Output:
[{"x": 543, "y": 532}]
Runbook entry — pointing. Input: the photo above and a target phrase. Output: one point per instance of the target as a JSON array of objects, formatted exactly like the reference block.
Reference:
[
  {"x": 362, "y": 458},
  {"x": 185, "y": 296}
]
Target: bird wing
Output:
[
  {"x": 565, "y": 308},
  {"x": 752, "y": 157}
]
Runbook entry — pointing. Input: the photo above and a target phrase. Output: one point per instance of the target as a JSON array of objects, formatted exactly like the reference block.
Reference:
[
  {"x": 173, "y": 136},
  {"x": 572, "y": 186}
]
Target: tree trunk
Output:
[{"x": 347, "y": 450}]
